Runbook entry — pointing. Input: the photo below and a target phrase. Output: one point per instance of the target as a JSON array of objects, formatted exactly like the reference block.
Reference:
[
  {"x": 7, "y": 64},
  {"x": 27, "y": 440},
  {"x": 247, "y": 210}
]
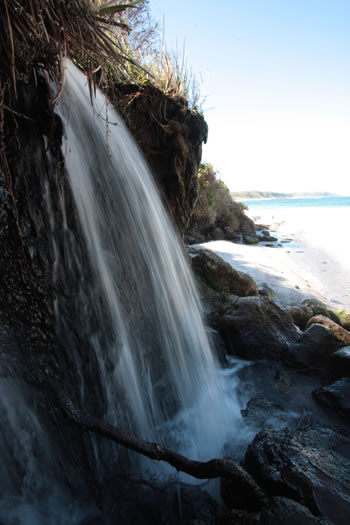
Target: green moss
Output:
[{"x": 344, "y": 317}]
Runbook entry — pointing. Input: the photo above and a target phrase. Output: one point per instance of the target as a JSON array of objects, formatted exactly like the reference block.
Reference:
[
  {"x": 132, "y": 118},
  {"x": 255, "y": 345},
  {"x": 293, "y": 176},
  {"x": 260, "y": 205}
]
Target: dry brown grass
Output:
[{"x": 40, "y": 33}]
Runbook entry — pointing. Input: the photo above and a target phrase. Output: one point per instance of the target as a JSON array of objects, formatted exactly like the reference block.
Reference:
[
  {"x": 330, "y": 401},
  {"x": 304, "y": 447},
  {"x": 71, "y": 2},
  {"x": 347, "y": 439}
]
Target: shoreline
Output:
[{"x": 307, "y": 261}]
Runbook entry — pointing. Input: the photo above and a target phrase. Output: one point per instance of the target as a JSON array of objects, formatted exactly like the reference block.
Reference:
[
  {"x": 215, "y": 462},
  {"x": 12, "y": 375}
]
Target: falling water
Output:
[
  {"x": 153, "y": 354},
  {"x": 130, "y": 335}
]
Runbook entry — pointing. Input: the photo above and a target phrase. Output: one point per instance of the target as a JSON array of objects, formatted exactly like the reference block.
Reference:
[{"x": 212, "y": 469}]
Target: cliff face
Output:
[
  {"x": 170, "y": 136},
  {"x": 26, "y": 262}
]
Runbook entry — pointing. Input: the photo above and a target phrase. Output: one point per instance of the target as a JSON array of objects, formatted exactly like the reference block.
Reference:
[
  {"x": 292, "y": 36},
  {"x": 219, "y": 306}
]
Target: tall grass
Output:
[
  {"x": 119, "y": 39},
  {"x": 156, "y": 63}
]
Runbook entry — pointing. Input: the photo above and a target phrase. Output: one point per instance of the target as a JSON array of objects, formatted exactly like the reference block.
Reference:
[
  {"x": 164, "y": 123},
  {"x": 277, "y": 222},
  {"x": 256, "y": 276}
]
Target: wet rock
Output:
[
  {"x": 277, "y": 511},
  {"x": 148, "y": 502},
  {"x": 266, "y": 291},
  {"x": 340, "y": 362},
  {"x": 335, "y": 397},
  {"x": 312, "y": 353},
  {"x": 257, "y": 328},
  {"x": 249, "y": 238},
  {"x": 243, "y": 493},
  {"x": 338, "y": 331},
  {"x": 310, "y": 466},
  {"x": 300, "y": 314},
  {"x": 220, "y": 276},
  {"x": 319, "y": 308},
  {"x": 235, "y": 517},
  {"x": 262, "y": 413},
  {"x": 284, "y": 511},
  {"x": 283, "y": 381},
  {"x": 265, "y": 235}
]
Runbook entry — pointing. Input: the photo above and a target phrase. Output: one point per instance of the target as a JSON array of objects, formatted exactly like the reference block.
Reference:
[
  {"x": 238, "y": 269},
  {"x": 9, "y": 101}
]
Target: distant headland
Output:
[{"x": 255, "y": 194}]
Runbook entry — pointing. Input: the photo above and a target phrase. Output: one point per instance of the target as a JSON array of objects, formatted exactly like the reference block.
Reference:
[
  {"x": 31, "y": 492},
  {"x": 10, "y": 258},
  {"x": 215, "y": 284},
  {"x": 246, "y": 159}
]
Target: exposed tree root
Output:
[{"x": 214, "y": 468}]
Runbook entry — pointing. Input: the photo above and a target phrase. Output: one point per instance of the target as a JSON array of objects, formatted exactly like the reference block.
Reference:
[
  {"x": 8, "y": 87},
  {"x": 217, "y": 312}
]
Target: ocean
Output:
[{"x": 315, "y": 202}]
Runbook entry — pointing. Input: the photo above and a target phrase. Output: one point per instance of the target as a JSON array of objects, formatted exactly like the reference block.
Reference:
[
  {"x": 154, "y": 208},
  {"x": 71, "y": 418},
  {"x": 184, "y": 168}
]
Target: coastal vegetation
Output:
[{"x": 215, "y": 209}]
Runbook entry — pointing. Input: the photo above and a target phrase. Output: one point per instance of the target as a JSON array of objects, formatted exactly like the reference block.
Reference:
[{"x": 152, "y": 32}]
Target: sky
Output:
[{"x": 276, "y": 79}]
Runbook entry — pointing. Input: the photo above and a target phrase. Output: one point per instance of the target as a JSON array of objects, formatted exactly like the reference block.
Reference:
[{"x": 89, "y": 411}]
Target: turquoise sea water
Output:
[{"x": 317, "y": 202}]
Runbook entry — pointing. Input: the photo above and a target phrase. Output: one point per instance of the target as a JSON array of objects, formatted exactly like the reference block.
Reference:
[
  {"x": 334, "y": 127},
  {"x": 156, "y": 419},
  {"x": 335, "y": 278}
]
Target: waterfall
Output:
[
  {"x": 130, "y": 338},
  {"x": 154, "y": 358}
]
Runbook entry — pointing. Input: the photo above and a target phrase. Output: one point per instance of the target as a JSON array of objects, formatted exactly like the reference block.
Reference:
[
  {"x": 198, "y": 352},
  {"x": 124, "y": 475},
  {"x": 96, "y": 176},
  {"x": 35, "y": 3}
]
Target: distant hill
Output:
[{"x": 254, "y": 194}]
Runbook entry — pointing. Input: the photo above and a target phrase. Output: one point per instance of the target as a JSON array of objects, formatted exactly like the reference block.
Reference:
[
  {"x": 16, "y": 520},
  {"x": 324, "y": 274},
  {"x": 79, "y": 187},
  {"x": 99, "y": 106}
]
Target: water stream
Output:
[
  {"x": 135, "y": 349},
  {"x": 155, "y": 359}
]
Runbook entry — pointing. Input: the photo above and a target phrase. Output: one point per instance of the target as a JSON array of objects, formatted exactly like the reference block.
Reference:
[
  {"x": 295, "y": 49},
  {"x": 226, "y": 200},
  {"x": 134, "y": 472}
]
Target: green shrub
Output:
[{"x": 215, "y": 206}]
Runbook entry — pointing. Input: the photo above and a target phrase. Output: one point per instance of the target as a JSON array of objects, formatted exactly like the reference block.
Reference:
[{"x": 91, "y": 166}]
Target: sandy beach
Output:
[{"x": 310, "y": 259}]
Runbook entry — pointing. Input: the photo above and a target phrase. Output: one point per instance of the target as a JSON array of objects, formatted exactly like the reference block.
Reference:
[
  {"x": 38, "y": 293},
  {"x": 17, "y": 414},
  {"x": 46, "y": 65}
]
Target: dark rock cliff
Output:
[{"x": 170, "y": 136}]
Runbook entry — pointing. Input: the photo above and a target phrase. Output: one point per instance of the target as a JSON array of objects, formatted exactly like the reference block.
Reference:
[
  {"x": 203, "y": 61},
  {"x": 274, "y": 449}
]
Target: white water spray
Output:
[
  {"x": 159, "y": 362},
  {"x": 131, "y": 343}
]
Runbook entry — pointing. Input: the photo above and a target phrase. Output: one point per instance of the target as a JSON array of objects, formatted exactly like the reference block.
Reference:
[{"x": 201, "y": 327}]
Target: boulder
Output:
[
  {"x": 220, "y": 275},
  {"x": 256, "y": 328},
  {"x": 264, "y": 235},
  {"x": 312, "y": 353},
  {"x": 246, "y": 224},
  {"x": 340, "y": 362},
  {"x": 284, "y": 511},
  {"x": 300, "y": 314},
  {"x": 194, "y": 237},
  {"x": 230, "y": 234},
  {"x": 242, "y": 493},
  {"x": 277, "y": 511},
  {"x": 217, "y": 235},
  {"x": 250, "y": 238},
  {"x": 310, "y": 466},
  {"x": 266, "y": 291},
  {"x": 338, "y": 331},
  {"x": 319, "y": 308},
  {"x": 262, "y": 413},
  {"x": 344, "y": 319},
  {"x": 335, "y": 397}
]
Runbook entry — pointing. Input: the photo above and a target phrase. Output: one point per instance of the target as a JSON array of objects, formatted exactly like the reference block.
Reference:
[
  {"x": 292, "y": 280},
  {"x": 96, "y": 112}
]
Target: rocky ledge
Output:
[{"x": 297, "y": 385}]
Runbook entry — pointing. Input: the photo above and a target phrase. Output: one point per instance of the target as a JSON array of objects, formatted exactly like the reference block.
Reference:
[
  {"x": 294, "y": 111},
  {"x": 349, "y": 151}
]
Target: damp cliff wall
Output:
[{"x": 171, "y": 136}]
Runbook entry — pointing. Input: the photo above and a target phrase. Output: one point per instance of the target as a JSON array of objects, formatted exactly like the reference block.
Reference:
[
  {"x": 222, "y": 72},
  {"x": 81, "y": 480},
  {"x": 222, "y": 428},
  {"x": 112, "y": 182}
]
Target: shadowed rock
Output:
[
  {"x": 220, "y": 275},
  {"x": 335, "y": 398},
  {"x": 256, "y": 328},
  {"x": 277, "y": 511},
  {"x": 338, "y": 331},
  {"x": 340, "y": 362},
  {"x": 312, "y": 353},
  {"x": 309, "y": 466},
  {"x": 300, "y": 314},
  {"x": 319, "y": 308}
]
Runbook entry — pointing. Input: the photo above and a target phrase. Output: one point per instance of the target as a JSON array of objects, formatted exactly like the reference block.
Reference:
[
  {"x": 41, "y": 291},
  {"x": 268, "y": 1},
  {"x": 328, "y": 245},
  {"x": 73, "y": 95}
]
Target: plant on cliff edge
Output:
[
  {"x": 165, "y": 69},
  {"x": 215, "y": 206}
]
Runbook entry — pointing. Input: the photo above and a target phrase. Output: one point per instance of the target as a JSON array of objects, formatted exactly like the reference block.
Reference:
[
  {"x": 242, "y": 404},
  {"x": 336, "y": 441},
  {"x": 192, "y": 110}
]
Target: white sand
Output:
[{"x": 316, "y": 263}]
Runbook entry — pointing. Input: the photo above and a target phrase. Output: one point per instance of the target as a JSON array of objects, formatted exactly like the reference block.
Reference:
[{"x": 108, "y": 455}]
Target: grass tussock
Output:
[{"x": 41, "y": 33}]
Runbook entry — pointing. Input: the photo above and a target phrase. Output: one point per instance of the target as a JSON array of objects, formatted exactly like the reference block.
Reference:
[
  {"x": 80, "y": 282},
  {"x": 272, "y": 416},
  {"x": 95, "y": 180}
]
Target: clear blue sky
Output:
[{"x": 276, "y": 76}]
